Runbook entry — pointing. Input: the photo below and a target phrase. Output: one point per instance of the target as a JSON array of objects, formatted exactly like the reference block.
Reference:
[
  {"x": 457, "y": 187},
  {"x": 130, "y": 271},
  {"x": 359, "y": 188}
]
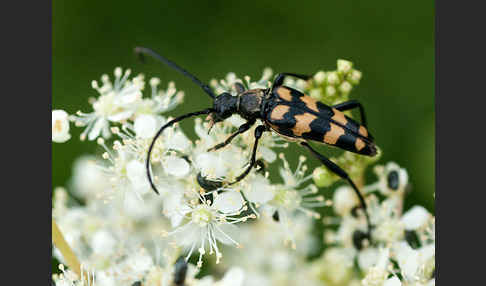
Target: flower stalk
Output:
[{"x": 68, "y": 254}]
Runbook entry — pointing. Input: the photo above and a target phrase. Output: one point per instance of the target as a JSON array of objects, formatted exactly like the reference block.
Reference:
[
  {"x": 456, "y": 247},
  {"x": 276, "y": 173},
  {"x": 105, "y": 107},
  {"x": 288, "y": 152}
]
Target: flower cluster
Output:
[
  {"x": 401, "y": 250},
  {"x": 330, "y": 87},
  {"x": 258, "y": 231}
]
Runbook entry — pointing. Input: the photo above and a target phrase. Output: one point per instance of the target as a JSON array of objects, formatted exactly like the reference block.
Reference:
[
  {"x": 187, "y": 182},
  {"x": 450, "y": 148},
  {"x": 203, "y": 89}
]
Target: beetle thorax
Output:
[{"x": 250, "y": 103}]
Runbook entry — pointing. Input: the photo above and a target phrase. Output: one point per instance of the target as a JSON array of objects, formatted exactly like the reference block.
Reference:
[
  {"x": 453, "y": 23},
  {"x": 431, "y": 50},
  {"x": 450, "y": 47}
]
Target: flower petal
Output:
[
  {"x": 96, "y": 130},
  {"x": 226, "y": 231},
  {"x": 176, "y": 166},
  {"x": 137, "y": 175},
  {"x": 260, "y": 190},
  {"x": 393, "y": 281},
  {"x": 233, "y": 277},
  {"x": 344, "y": 199},
  {"x": 228, "y": 202},
  {"x": 368, "y": 257},
  {"x": 268, "y": 154},
  {"x": 103, "y": 243},
  {"x": 415, "y": 217},
  {"x": 145, "y": 126},
  {"x": 120, "y": 116},
  {"x": 179, "y": 141}
]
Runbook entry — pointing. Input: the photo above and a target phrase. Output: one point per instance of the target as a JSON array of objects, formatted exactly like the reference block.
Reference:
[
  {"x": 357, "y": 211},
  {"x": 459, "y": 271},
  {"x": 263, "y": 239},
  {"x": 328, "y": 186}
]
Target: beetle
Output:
[{"x": 286, "y": 111}]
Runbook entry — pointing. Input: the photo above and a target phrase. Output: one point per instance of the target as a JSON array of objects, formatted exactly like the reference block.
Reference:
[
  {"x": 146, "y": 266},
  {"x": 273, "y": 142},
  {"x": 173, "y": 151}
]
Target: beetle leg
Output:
[
  {"x": 258, "y": 133},
  {"x": 262, "y": 166},
  {"x": 281, "y": 76},
  {"x": 341, "y": 173},
  {"x": 351, "y": 104},
  {"x": 168, "y": 124},
  {"x": 242, "y": 129}
]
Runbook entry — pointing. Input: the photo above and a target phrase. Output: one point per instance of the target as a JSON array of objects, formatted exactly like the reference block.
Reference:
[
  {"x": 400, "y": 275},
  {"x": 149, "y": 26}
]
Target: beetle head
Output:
[{"x": 224, "y": 106}]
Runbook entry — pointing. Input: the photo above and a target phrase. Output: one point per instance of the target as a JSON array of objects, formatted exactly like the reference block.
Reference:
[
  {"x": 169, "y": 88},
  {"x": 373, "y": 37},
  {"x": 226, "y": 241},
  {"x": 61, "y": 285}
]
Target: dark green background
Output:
[{"x": 391, "y": 42}]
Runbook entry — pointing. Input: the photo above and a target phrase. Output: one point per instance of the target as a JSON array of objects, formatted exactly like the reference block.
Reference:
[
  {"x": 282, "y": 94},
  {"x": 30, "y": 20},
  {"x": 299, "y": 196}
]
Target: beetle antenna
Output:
[
  {"x": 140, "y": 51},
  {"x": 168, "y": 124}
]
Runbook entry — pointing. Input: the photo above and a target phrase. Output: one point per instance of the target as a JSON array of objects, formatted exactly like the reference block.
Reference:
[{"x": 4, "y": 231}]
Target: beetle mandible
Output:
[{"x": 286, "y": 111}]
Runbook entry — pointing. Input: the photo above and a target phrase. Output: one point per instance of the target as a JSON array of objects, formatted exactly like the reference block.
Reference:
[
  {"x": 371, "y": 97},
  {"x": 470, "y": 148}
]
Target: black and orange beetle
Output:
[{"x": 286, "y": 111}]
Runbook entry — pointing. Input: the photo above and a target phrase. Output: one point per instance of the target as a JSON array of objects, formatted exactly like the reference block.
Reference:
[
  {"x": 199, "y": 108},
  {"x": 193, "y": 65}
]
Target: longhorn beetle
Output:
[{"x": 286, "y": 111}]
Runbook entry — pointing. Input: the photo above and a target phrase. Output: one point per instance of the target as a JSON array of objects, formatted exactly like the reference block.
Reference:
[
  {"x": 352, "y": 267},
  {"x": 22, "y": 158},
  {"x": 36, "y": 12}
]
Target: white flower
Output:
[
  {"x": 116, "y": 103},
  {"x": 103, "y": 279},
  {"x": 60, "y": 126},
  {"x": 289, "y": 198},
  {"x": 389, "y": 230},
  {"x": 145, "y": 126},
  {"x": 377, "y": 274},
  {"x": 125, "y": 173},
  {"x": 228, "y": 202},
  {"x": 160, "y": 101},
  {"x": 69, "y": 278},
  {"x": 336, "y": 266},
  {"x": 415, "y": 218},
  {"x": 206, "y": 226},
  {"x": 228, "y": 162},
  {"x": 393, "y": 281},
  {"x": 176, "y": 166},
  {"x": 258, "y": 189},
  {"x": 136, "y": 173},
  {"x": 213, "y": 164},
  {"x": 88, "y": 180},
  {"x": 368, "y": 257},
  {"x": 392, "y": 180},
  {"x": 233, "y": 277},
  {"x": 103, "y": 243},
  {"x": 173, "y": 204},
  {"x": 347, "y": 226},
  {"x": 344, "y": 199},
  {"x": 416, "y": 265},
  {"x": 140, "y": 262},
  {"x": 228, "y": 84},
  {"x": 137, "y": 209},
  {"x": 134, "y": 266},
  {"x": 135, "y": 141}
]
